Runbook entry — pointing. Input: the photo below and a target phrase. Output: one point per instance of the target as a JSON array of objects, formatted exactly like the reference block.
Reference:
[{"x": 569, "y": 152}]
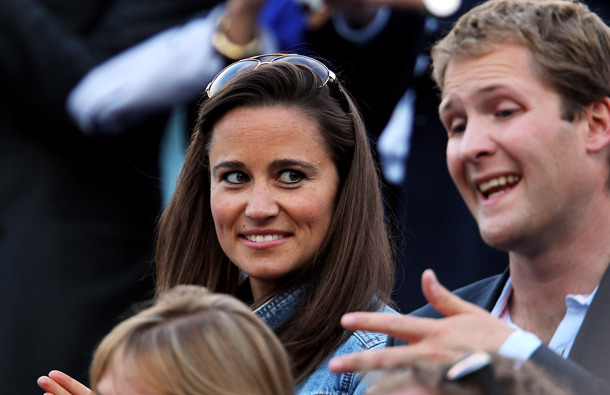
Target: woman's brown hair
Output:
[{"x": 352, "y": 270}]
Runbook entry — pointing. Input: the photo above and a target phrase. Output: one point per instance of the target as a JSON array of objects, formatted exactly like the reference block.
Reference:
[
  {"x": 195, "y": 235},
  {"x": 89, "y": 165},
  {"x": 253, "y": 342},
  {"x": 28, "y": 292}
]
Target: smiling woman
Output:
[
  {"x": 279, "y": 203},
  {"x": 272, "y": 207}
]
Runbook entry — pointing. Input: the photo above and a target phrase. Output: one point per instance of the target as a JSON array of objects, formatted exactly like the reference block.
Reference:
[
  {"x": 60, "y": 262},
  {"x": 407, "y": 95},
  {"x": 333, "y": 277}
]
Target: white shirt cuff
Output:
[{"x": 520, "y": 345}]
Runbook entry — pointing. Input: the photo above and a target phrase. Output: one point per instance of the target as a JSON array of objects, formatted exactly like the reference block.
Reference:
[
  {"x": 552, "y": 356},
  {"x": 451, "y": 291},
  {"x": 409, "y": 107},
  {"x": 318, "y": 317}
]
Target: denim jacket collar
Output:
[{"x": 277, "y": 310}]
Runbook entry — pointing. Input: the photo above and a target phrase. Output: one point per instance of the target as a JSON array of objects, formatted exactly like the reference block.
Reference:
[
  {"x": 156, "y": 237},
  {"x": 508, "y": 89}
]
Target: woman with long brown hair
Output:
[{"x": 279, "y": 202}]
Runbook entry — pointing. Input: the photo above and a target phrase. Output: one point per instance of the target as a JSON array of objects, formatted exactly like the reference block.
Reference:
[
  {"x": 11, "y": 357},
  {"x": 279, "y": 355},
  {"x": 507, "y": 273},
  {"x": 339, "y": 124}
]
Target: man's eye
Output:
[
  {"x": 457, "y": 129},
  {"x": 505, "y": 113},
  {"x": 290, "y": 177},
  {"x": 235, "y": 177}
]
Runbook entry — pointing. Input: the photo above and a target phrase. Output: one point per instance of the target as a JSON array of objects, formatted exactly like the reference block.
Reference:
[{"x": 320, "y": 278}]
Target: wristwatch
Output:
[
  {"x": 227, "y": 48},
  {"x": 476, "y": 365}
]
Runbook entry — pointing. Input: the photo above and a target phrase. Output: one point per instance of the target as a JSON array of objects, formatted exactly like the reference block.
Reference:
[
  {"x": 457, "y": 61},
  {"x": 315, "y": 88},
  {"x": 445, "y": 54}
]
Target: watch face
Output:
[
  {"x": 470, "y": 362},
  {"x": 442, "y": 8}
]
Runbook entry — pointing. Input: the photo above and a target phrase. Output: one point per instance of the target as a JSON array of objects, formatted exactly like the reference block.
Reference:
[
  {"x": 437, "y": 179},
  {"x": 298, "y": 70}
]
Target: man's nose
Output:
[{"x": 476, "y": 141}]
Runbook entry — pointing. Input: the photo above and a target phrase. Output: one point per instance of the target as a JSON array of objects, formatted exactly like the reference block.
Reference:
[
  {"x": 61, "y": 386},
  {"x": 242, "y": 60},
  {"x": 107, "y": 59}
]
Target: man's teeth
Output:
[
  {"x": 261, "y": 238},
  {"x": 495, "y": 186},
  {"x": 494, "y": 194}
]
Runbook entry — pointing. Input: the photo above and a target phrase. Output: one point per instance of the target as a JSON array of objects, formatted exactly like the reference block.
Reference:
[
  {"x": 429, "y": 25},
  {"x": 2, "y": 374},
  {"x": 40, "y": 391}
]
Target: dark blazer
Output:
[{"x": 587, "y": 368}]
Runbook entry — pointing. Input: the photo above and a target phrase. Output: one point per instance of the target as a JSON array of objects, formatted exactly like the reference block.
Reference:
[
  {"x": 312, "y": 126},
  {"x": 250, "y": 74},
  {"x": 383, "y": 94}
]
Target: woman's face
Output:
[{"x": 273, "y": 189}]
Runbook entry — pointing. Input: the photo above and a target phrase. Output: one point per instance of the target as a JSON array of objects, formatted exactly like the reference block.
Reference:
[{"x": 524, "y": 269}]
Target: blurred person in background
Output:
[{"x": 189, "y": 342}]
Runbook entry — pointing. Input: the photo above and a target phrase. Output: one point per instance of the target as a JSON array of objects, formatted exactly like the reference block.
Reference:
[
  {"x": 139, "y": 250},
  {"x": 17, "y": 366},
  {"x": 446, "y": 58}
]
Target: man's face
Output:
[{"x": 520, "y": 168}]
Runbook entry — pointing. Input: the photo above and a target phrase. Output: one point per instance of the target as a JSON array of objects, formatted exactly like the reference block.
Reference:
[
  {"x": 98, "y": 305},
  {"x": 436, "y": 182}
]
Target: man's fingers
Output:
[
  {"x": 371, "y": 360},
  {"x": 387, "y": 358},
  {"x": 442, "y": 299},
  {"x": 400, "y": 326}
]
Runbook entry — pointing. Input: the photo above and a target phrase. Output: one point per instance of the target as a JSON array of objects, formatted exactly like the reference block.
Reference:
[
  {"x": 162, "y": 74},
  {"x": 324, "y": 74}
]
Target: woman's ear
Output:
[{"x": 598, "y": 117}]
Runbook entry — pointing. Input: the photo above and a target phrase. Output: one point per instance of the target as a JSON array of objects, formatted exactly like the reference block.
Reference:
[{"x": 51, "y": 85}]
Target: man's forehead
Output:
[{"x": 493, "y": 70}]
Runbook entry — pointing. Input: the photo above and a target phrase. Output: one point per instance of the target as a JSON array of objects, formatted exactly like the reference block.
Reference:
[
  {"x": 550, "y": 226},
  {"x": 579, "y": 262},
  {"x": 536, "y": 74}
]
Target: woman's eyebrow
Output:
[
  {"x": 277, "y": 164},
  {"x": 283, "y": 163},
  {"x": 228, "y": 164}
]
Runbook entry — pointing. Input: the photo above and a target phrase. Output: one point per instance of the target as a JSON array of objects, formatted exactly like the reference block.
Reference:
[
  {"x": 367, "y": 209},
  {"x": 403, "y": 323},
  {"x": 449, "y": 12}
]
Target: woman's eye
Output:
[
  {"x": 235, "y": 177},
  {"x": 290, "y": 177}
]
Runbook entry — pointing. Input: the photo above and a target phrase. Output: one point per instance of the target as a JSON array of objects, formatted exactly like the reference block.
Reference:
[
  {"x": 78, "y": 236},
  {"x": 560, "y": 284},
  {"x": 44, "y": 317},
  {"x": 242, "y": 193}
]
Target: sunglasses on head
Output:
[{"x": 234, "y": 69}]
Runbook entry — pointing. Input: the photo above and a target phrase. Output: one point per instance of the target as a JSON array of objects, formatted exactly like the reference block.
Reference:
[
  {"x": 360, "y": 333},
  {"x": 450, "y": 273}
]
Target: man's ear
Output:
[{"x": 598, "y": 117}]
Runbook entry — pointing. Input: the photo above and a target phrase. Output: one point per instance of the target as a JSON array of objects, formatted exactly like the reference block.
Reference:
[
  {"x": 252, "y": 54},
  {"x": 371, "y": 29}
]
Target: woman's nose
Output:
[{"x": 262, "y": 203}]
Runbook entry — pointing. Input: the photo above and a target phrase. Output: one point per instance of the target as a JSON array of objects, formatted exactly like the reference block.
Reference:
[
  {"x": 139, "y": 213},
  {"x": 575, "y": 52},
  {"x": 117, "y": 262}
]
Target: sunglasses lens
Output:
[
  {"x": 313, "y": 64},
  {"x": 229, "y": 73}
]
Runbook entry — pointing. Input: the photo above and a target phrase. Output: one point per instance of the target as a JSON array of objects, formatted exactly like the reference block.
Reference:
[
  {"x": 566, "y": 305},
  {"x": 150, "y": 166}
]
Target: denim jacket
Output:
[{"x": 322, "y": 382}]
